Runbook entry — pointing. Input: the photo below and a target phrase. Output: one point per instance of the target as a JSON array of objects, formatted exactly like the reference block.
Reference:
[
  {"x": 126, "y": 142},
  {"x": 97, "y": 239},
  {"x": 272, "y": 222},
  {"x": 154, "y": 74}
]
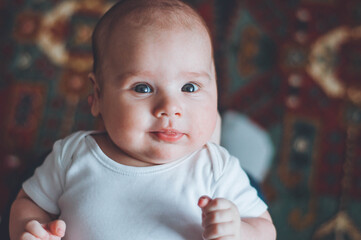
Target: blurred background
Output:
[{"x": 289, "y": 76}]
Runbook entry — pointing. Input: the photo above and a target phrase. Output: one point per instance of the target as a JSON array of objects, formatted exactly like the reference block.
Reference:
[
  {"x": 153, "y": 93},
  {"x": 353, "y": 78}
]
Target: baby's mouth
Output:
[{"x": 168, "y": 135}]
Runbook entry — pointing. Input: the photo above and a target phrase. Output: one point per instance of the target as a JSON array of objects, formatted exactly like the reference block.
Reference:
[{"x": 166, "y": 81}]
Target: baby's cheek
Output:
[
  {"x": 201, "y": 133},
  {"x": 208, "y": 120}
]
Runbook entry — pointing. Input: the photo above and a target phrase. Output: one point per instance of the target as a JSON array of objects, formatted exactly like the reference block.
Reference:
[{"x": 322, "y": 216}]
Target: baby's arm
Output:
[
  {"x": 28, "y": 221},
  {"x": 221, "y": 220}
]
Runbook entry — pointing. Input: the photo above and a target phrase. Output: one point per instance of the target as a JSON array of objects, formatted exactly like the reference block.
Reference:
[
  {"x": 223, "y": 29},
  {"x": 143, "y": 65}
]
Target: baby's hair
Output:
[{"x": 163, "y": 14}]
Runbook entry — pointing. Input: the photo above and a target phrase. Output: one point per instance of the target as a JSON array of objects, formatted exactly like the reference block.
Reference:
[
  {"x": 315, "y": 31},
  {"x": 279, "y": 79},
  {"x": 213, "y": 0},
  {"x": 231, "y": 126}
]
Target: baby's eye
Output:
[
  {"x": 190, "y": 87},
  {"x": 143, "y": 88}
]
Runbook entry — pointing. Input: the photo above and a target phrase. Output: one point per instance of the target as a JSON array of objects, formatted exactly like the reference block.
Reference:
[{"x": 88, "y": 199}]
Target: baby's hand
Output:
[
  {"x": 220, "y": 219},
  {"x": 54, "y": 230}
]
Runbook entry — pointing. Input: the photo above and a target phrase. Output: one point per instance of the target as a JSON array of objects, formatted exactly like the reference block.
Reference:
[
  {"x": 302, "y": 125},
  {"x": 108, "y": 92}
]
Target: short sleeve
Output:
[
  {"x": 46, "y": 185},
  {"x": 233, "y": 184}
]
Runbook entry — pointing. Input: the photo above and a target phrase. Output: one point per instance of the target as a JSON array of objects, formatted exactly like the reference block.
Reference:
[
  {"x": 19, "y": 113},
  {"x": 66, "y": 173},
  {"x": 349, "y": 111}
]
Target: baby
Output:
[{"x": 153, "y": 173}]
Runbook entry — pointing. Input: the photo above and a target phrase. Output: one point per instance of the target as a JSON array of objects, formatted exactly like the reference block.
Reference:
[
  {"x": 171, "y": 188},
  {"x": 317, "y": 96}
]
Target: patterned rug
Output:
[{"x": 293, "y": 67}]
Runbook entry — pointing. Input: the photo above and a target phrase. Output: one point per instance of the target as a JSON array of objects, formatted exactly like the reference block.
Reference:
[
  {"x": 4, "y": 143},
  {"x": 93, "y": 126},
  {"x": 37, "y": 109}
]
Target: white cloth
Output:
[
  {"x": 248, "y": 142},
  {"x": 101, "y": 199}
]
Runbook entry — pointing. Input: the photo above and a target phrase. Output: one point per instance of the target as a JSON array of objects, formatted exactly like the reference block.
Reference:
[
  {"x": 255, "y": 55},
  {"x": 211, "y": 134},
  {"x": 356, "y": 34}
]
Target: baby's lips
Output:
[{"x": 168, "y": 135}]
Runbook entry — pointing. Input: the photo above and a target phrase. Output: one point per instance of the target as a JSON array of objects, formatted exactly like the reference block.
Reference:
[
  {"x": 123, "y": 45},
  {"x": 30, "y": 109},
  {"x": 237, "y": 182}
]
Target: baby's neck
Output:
[{"x": 116, "y": 154}]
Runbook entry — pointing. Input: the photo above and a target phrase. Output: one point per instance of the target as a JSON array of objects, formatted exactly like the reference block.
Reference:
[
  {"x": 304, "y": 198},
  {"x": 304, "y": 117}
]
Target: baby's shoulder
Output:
[
  {"x": 73, "y": 140},
  {"x": 66, "y": 147},
  {"x": 220, "y": 159}
]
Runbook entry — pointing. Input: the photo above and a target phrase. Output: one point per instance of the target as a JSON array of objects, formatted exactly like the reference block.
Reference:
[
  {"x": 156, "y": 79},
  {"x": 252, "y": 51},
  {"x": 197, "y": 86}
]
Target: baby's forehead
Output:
[
  {"x": 158, "y": 14},
  {"x": 144, "y": 15}
]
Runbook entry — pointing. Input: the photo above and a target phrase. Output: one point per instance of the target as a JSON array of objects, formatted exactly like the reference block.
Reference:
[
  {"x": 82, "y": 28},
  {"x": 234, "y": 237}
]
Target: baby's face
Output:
[{"x": 159, "y": 98}]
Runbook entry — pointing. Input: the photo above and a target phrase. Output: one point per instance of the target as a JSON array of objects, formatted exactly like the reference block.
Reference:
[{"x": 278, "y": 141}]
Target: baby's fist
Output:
[
  {"x": 220, "y": 218},
  {"x": 54, "y": 230}
]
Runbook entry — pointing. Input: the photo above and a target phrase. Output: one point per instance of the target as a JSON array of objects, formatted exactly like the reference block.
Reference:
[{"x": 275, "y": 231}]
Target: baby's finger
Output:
[
  {"x": 224, "y": 238},
  {"x": 203, "y": 201},
  {"x": 218, "y": 204},
  {"x": 28, "y": 236},
  {"x": 221, "y": 216},
  {"x": 216, "y": 231},
  {"x": 36, "y": 229},
  {"x": 57, "y": 228}
]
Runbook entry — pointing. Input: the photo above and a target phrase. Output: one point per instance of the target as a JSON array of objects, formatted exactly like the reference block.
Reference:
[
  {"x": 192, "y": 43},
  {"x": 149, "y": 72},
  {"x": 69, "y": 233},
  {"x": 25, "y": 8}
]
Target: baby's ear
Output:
[{"x": 93, "y": 99}]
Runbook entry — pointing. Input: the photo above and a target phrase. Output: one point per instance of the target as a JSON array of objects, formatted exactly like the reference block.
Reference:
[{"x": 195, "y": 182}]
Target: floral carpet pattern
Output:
[{"x": 293, "y": 67}]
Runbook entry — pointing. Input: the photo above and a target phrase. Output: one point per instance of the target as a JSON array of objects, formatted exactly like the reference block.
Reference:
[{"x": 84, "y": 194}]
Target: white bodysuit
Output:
[{"x": 100, "y": 199}]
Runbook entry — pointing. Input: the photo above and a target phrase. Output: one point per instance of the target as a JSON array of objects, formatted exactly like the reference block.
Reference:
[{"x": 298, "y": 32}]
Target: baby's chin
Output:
[{"x": 166, "y": 157}]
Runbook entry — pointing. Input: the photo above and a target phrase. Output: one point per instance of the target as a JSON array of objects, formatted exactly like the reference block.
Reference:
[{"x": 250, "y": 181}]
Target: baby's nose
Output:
[{"x": 168, "y": 107}]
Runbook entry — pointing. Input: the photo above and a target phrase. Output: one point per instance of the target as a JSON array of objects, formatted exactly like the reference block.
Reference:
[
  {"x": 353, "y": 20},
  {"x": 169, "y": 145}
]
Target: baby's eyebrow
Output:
[
  {"x": 201, "y": 74},
  {"x": 151, "y": 75},
  {"x": 127, "y": 75}
]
